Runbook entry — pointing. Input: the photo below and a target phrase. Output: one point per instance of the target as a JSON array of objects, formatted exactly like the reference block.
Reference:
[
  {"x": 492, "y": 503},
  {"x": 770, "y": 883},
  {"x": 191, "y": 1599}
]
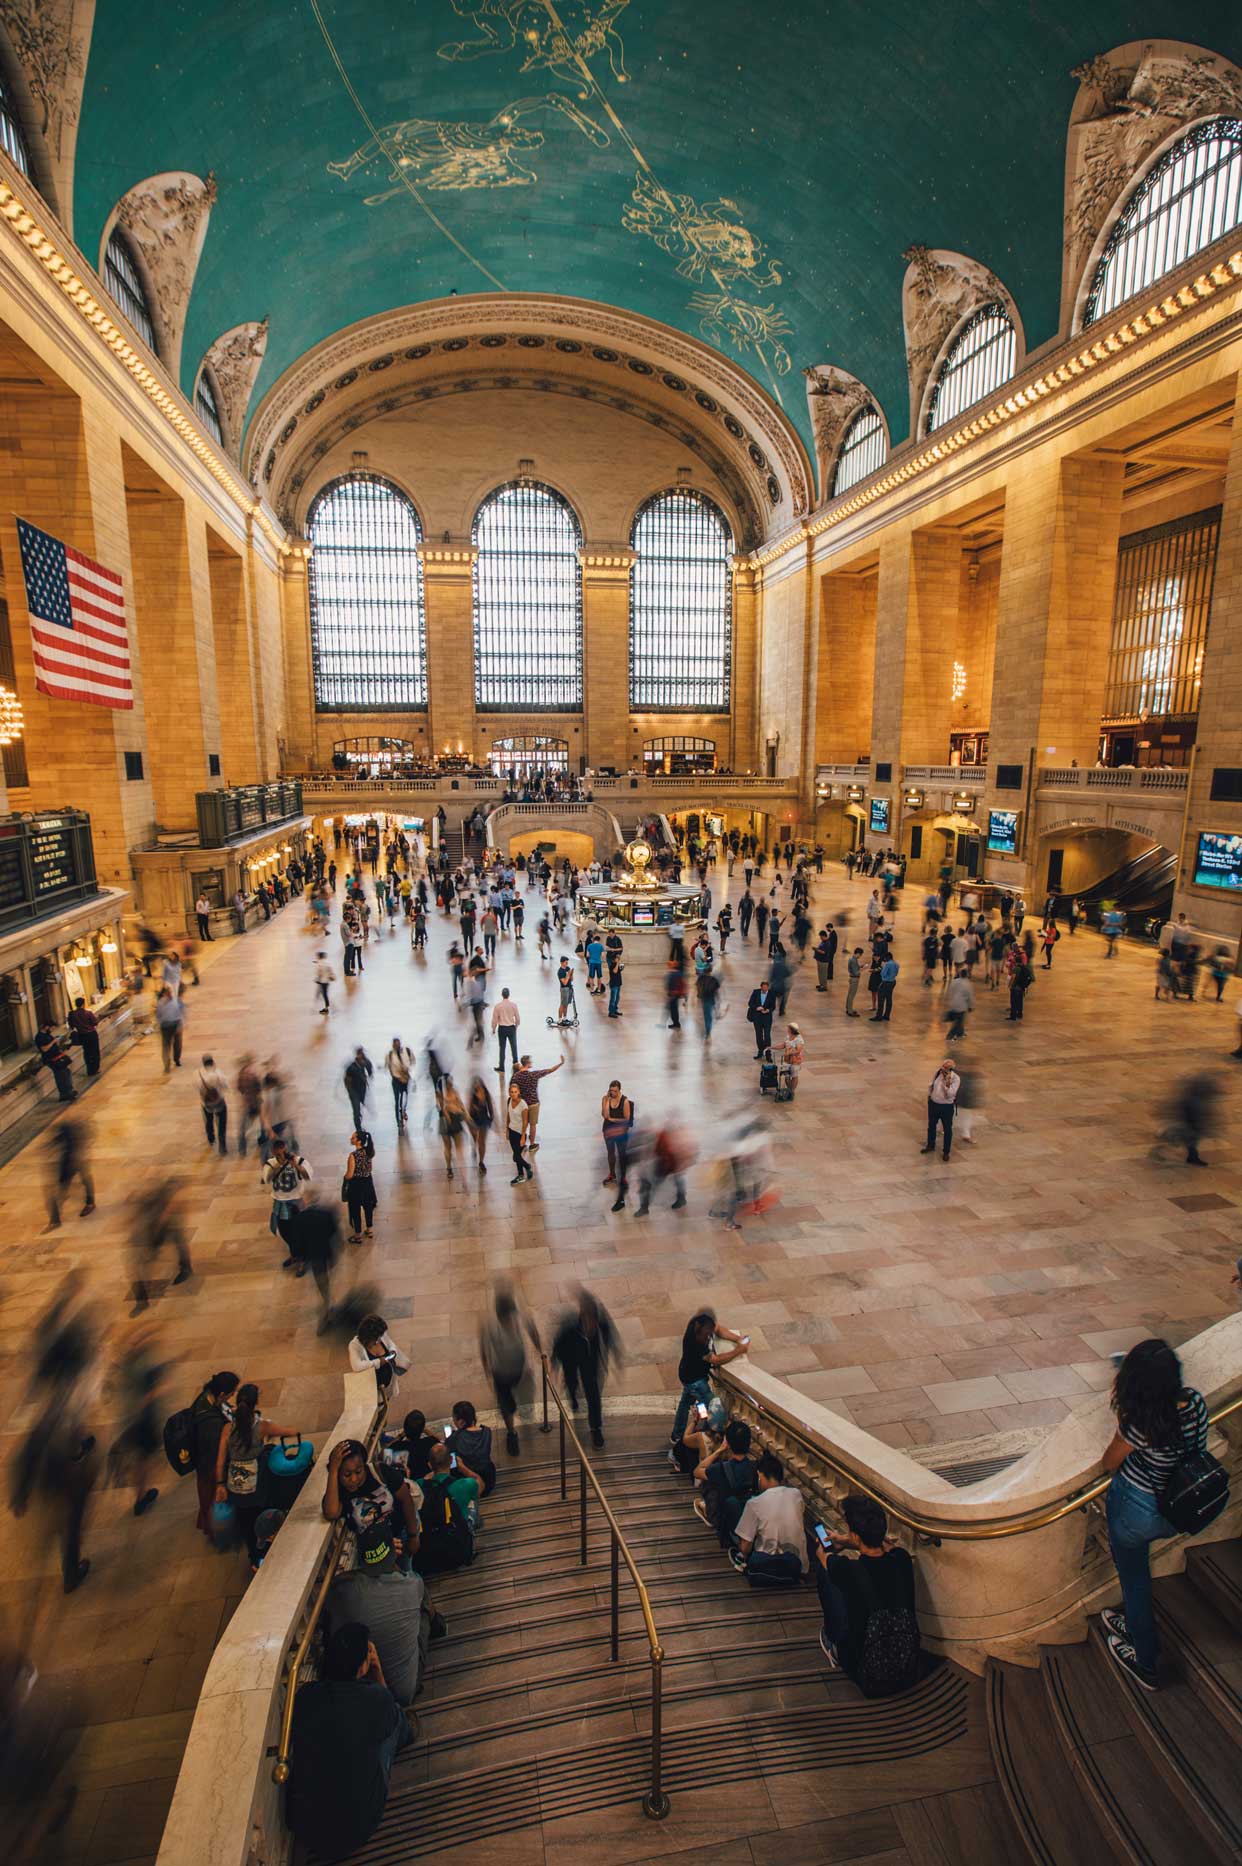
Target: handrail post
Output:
[
  {"x": 582, "y": 1494},
  {"x": 564, "y": 1492},
  {"x": 543, "y": 1366},
  {"x": 655, "y": 1801},
  {"x": 616, "y": 1598}
]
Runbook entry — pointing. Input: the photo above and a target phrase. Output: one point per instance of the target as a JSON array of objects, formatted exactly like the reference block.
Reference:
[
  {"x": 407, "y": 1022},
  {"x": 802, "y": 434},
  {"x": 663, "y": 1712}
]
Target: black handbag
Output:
[{"x": 1195, "y": 1494}]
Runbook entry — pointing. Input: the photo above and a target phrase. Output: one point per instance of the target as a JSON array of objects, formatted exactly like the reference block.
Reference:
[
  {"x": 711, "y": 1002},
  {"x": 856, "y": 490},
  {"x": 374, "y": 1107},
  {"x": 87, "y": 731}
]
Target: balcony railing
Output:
[
  {"x": 1139, "y": 777},
  {"x": 842, "y": 774},
  {"x": 704, "y": 784},
  {"x": 967, "y": 777}
]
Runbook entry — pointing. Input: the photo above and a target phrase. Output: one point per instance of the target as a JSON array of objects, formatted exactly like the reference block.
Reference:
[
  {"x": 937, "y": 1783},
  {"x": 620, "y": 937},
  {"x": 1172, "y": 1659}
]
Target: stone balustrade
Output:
[
  {"x": 969, "y": 777},
  {"x": 1131, "y": 778}
]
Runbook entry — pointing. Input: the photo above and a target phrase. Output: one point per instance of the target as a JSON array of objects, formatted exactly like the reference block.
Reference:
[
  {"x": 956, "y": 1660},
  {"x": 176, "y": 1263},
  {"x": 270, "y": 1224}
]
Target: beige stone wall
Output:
[{"x": 843, "y": 688}]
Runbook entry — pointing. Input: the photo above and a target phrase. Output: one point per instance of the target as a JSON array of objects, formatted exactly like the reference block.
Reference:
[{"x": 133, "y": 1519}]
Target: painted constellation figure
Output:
[
  {"x": 708, "y": 241},
  {"x": 547, "y": 42},
  {"x": 723, "y": 317},
  {"x": 453, "y": 157}
]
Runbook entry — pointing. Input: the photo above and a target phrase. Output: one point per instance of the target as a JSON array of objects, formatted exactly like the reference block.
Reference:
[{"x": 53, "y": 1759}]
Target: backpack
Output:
[
  {"x": 889, "y": 1658},
  {"x": 445, "y": 1538},
  {"x": 1195, "y": 1494},
  {"x": 179, "y": 1441}
]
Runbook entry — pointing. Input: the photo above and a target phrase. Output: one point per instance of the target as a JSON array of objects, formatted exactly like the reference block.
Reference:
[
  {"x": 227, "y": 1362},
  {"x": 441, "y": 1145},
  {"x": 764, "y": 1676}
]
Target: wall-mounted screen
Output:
[
  {"x": 1003, "y": 831},
  {"x": 1218, "y": 861},
  {"x": 879, "y": 816}
]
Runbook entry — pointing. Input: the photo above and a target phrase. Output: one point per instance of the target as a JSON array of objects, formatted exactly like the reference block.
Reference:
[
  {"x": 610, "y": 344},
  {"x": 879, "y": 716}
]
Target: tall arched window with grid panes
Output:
[
  {"x": 207, "y": 406},
  {"x": 862, "y": 450},
  {"x": 1189, "y": 198},
  {"x": 123, "y": 279},
  {"x": 681, "y": 605},
  {"x": 527, "y": 602},
  {"x": 980, "y": 359},
  {"x": 368, "y": 625}
]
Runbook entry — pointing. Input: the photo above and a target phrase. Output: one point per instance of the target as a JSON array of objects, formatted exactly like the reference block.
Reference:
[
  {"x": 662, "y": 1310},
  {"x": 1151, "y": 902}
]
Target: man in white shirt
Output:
[
  {"x": 941, "y": 1101},
  {"x": 959, "y": 1000},
  {"x": 958, "y": 949},
  {"x": 212, "y": 1089},
  {"x": 505, "y": 1020},
  {"x": 771, "y": 1532},
  {"x": 324, "y": 976},
  {"x": 202, "y": 911},
  {"x": 400, "y": 1064}
]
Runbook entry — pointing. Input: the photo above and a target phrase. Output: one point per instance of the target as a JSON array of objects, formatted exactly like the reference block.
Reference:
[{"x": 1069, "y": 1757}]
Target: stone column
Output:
[
  {"x": 1218, "y": 740},
  {"x": 744, "y": 753},
  {"x": 931, "y": 641},
  {"x": 606, "y": 657},
  {"x": 1053, "y": 627},
  {"x": 299, "y": 681},
  {"x": 448, "y": 590}
]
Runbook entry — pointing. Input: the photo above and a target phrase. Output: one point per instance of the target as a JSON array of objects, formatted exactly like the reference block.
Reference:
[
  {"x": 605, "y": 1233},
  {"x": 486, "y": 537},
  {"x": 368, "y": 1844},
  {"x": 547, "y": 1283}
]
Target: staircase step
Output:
[
  {"x": 1206, "y": 1648},
  {"x": 1046, "y": 1803},
  {"x": 1132, "y": 1802},
  {"x": 1215, "y": 1569},
  {"x": 1195, "y": 1758}
]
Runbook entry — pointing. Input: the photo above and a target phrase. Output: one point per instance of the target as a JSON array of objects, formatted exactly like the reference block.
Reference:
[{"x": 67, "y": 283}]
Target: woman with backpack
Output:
[
  {"x": 1160, "y": 1423},
  {"x": 358, "y": 1185},
  {"x": 452, "y": 1114},
  {"x": 239, "y": 1464},
  {"x": 206, "y": 1423}
]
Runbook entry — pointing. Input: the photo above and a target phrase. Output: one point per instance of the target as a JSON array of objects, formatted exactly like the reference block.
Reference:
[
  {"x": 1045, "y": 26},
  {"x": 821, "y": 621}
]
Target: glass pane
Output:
[
  {"x": 862, "y": 451},
  {"x": 527, "y": 602},
  {"x": 1192, "y": 197},
  {"x": 980, "y": 361},
  {"x": 368, "y": 629},
  {"x": 681, "y": 606},
  {"x": 121, "y": 278}
]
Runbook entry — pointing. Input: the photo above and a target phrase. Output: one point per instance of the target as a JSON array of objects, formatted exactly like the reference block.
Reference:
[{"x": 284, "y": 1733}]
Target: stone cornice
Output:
[
  {"x": 1053, "y": 375},
  {"x": 447, "y": 560},
  {"x": 116, "y": 346}
]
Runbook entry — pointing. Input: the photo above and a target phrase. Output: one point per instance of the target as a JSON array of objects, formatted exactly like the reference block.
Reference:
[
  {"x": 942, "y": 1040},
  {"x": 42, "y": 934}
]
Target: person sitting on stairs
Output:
[{"x": 770, "y": 1541}]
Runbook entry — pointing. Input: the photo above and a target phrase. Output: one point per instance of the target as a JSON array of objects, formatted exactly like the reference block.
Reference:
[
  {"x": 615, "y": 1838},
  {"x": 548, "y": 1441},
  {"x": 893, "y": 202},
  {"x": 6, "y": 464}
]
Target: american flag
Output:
[{"x": 78, "y": 634}]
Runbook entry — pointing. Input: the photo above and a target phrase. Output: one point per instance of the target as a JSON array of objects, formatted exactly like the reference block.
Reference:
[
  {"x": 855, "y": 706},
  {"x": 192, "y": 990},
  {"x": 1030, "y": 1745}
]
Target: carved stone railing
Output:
[
  {"x": 1018, "y": 1560},
  {"x": 592, "y": 819},
  {"x": 1140, "y": 777},
  {"x": 226, "y": 1810},
  {"x": 970, "y": 777}
]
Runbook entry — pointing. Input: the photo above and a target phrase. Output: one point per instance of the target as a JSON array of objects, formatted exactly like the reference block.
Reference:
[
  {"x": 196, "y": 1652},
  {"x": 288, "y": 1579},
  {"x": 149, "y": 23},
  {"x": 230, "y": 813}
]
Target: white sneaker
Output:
[
  {"x": 829, "y": 1651},
  {"x": 700, "y": 1510}
]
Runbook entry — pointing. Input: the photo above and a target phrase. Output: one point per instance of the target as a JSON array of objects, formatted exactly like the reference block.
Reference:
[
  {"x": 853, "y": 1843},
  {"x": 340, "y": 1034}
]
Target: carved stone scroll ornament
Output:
[
  {"x": 234, "y": 360},
  {"x": 939, "y": 291},
  {"x": 833, "y": 398},
  {"x": 50, "y": 40},
  {"x": 1130, "y": 102},
  {"x": 166, "y": 218}
]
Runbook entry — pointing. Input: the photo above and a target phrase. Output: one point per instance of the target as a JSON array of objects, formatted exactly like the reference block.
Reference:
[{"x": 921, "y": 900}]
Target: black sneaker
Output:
[
  {"x": 597, "y": 1439},
  {"x": 74, "y": 1581},
  {"x": 439, "y": 1626},
  {"x": 1114, "y": 1621},
  {"x": 829, "y": 1651},
  {"x": 513, "y": 1444},
  {"x": 1127, "y": 1658},
  {"x": 145, "y": 1501}
]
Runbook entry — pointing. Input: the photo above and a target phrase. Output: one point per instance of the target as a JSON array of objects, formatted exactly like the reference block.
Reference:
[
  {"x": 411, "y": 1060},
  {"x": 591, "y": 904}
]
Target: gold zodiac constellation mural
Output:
[
  {"x": 450, "y": 157},
  {"x": 544, "y": 39},
  {"x": 711, "y": 243}
]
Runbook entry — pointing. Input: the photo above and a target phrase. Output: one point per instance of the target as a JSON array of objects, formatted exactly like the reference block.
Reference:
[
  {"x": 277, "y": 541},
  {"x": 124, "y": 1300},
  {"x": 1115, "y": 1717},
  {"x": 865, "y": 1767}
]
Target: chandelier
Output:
[{"x": 12, "y": 724}]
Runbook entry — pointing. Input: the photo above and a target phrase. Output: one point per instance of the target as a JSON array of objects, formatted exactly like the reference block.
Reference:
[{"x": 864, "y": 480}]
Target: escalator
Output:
[{"x": 1141, "y": 887}]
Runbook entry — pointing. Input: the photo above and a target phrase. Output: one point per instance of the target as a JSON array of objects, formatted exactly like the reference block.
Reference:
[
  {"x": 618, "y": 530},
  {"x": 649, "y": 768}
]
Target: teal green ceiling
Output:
[{"x": 748, "y": 173}]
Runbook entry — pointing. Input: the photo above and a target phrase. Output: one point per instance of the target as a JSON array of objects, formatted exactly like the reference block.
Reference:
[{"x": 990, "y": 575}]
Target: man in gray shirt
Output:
[{"x": 392, "y": 1606}]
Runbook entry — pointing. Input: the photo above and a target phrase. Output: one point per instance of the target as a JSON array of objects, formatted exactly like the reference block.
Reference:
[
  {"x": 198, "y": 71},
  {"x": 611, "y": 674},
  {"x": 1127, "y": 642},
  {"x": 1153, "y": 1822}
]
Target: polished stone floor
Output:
[{"x": 931, "y": 1303}]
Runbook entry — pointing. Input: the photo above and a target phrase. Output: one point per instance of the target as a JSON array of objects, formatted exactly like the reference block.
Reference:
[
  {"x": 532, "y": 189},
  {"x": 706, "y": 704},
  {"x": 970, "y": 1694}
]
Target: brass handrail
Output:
[
  {"x": 655, "y": 1801},
  {"x": 280, "y": 1769},
  {"x": 983, "y": 1529}
]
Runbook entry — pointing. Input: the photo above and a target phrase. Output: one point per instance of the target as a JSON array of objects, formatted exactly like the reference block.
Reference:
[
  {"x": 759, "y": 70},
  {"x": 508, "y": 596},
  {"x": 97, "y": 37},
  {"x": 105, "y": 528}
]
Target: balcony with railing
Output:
[
  {"x": 1130, "y": 778},
  {"x": 956, "y": 777}
]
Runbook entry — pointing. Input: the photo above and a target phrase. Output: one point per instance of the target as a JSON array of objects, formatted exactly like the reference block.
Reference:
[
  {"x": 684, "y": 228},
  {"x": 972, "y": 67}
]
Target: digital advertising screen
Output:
[
  {"x": 1218, "y": 861},
  {"x": 879, "y": 816},
  {"x": 1003, "y": 831}
]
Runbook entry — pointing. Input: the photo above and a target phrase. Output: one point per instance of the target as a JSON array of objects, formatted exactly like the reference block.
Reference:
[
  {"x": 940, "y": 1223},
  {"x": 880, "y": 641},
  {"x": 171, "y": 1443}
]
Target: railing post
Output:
[
  {"x": 582, "y": 1496},
  {"x": 543, "y": 1368},
  {"x": 655, "y": 1801},
  {"x": 616, "y": 1598},
  {"x": 562, "y": 1420}
]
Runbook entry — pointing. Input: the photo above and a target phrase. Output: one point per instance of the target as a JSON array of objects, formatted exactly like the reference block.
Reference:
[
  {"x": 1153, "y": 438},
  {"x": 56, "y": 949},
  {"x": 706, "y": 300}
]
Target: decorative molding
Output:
[
  {"x": 1183, "y": 292},
  {"x": 1132, "y": 102},
  {"x": 604, "y": 565},
  {"x": 287, "y": 486},
  {"x": 166, "y": 219},
  {"x": 940, "y": 290},
  {"x": 443, "y": 556},
  {"x": 50, "y": 40},
  {"x": 833, "y": 398},
  {"x": 61, "y": 262},
  {"x": 575, "y": 326},
  {"x": 234, "y": 360}
]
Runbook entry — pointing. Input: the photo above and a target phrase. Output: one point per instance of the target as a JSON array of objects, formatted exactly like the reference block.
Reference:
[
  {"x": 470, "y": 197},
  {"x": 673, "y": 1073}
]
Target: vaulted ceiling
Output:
[{"x": 748, "y": 174}]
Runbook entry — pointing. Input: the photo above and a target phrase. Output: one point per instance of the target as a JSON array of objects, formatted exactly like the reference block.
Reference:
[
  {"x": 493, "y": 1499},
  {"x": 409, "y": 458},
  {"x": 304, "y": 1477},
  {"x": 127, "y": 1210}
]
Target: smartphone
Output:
[
  {"x": 822, "y": 1536},
  {"x": 701, "y": 1410},
  {"x": 448, "y": 1433},
  {"x": 453, "y": 1462},
  {"x": 745, "y": 1341}
]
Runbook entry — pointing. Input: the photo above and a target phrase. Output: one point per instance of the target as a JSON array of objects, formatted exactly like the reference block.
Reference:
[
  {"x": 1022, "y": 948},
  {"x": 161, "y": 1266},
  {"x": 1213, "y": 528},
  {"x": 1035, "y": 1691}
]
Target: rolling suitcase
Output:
[
  {"x": 289, "y": 1462},
  {"x": 769, "y": 1074}
]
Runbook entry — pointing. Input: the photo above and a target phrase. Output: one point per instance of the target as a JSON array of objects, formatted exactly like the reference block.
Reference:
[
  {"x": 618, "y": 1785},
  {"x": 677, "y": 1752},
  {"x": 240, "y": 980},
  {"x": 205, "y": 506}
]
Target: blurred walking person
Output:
[
  {"x": 69, "y": 1159},
  {"x": 585, "y": 1344},
  {"x": 156, "y": 1225},
  {"x": 502, "y": 1350}
]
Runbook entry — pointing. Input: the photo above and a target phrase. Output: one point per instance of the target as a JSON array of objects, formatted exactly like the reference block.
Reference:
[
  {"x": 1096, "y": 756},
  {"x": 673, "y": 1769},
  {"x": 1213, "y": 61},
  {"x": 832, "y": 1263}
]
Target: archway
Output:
[{"x": 1097, "y": 865}]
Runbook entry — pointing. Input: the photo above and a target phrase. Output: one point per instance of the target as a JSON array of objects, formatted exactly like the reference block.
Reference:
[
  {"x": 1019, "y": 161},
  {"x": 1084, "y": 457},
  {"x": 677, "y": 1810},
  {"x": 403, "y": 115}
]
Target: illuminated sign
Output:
[
  {"x": 1003, "y": 831},
  {"x": 1218, "y": 861},
  {"x": 879, "y": 816}
]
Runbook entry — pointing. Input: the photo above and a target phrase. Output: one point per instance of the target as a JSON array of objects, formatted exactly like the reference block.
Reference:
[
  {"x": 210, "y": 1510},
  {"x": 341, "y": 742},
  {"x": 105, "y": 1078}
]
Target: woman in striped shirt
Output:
[{"x": 1158, "y": 1421}]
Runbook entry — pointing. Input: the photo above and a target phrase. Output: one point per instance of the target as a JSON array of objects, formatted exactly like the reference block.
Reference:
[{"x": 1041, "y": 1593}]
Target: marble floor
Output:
[{"x": 930, "y": 1303}]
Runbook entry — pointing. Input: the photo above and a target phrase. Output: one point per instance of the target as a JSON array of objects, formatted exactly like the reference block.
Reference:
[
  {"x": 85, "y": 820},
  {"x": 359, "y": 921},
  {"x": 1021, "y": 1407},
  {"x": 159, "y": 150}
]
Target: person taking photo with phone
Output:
[{"x": 699, "y": 1355}]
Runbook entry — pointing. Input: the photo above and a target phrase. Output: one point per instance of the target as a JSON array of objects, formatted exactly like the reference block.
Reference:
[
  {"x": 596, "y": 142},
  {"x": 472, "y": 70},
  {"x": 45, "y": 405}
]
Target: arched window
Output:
[
  {"x": 681, "y": 605},
  {"x": 12, "y": 138},
  {"x": 1191, "y": 197},
  {"x": 862, "y": 450},
  {"x": 527, "y": 602},
  {"x": 123, "y": 280},
  {"x": 677, "y": 756},
  {"x": 520, "y": 757},
  {"x": 207, "y": 408},
  {"x": 368, "y": 630},
  {"x": 981, "y": 359}
]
